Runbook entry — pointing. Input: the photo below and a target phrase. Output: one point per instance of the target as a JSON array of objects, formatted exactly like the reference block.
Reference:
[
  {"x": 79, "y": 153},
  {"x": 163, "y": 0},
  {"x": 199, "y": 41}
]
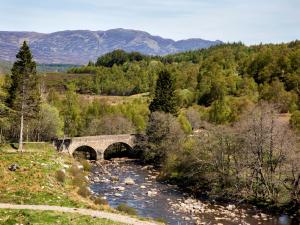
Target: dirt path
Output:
[{"x": 89, "y": 212}]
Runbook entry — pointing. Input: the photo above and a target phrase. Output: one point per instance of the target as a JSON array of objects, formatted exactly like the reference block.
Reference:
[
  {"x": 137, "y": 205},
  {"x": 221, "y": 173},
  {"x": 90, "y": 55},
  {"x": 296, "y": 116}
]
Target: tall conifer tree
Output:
[
  {"x": 165, "y": 99},
  {"x": 23, "y": 95}
]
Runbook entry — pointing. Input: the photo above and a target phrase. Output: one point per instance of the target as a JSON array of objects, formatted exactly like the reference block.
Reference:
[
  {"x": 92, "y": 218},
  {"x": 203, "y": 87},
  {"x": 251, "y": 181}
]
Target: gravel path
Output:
[{"x": 89, "y": 212}]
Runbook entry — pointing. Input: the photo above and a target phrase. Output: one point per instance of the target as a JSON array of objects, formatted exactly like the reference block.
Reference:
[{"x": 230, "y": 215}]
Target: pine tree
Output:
[
  {"x": 165, "y": 99},
  {"x": 23, "y": 95}
]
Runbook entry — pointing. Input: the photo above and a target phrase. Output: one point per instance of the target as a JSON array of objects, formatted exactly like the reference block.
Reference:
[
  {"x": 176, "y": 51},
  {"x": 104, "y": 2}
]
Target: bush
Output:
[
  {"x": 295, "y": 120},
  {"x": 74, "y": 170},
  {"x": 60, "y": 176},
  {"x": 100, "y": 201},
  {"x": 84, "y": 191},
  {"x": 126, "y": 209}
]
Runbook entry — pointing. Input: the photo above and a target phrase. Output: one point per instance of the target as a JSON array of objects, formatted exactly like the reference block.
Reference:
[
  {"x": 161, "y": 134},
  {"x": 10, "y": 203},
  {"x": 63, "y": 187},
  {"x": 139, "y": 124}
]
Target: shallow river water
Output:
[{"x": 166, "y": 202}]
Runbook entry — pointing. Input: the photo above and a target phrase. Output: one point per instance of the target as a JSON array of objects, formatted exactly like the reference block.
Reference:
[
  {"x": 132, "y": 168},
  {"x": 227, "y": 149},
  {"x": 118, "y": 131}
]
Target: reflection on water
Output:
[{"x": 156, "y": 200}]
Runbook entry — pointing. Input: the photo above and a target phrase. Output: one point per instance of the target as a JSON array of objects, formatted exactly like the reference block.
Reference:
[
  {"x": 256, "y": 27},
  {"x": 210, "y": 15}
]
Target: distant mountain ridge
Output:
[{"x": 80, "y": 46}]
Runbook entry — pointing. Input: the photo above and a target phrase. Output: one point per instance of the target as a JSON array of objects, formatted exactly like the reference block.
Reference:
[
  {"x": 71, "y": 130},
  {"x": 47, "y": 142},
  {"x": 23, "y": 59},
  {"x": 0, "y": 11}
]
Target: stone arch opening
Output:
[
  {"x": 119, "y": 150},
  {"x": 85, "y": 152}
]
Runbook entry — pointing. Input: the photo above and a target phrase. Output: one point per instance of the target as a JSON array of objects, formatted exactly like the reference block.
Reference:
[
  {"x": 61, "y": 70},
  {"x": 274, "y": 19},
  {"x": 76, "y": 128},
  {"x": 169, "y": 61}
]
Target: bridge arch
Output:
[
  {"x": 118, "y": 149},
  {"x": 85, "y": 151}
]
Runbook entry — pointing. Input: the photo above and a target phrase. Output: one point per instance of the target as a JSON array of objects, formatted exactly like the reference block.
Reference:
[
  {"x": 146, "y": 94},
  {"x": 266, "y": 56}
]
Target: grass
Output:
[
  {"x": 12, "y": 217},
  {"x": 36, "y": 180}
]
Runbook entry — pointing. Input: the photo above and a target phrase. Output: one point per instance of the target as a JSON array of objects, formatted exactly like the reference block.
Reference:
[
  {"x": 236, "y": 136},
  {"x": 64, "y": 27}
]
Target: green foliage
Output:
[
  {"x": 23, "y": 90},
  {"x": 71, "y": 113},
  {"x": 185, "y": 124},
  {"x": 165, "y": 98},
  {"x": 118, "y": 57},
  {"x": 220, "y": 112},
  {"x": 295, "y": 120}
]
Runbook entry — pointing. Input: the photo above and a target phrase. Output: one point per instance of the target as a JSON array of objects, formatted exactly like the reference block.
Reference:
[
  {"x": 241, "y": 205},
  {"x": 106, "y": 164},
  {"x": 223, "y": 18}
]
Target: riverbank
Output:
[
  {"x": 167, "y": 202},
  {"x": 42, "y": 176}
]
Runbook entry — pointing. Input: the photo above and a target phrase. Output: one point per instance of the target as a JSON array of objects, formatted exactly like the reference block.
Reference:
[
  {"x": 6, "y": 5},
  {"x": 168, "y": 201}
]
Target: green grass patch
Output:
[
  {"x": 12, "y": 217},
  {"x": 36, "y": 180}
]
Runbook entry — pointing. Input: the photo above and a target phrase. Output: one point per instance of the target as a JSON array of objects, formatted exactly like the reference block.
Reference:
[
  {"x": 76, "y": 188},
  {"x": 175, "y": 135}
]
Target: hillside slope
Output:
[{"x": 80, "y": 46}]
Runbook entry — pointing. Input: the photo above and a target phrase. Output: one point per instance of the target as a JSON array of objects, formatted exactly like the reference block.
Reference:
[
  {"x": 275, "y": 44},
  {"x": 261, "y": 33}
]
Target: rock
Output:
[
  {"x": 80, "y": 167},
  {"x": 143, "y": 187},
  {"x": 114, "y": 178},
  {"x": 120, "y": 188},
  {"x": 151, "y": 193},
  {"x": 129, "y": 181},
  {"x": 96, "y": 179},
  {"x": 118, "y": 195},
  {"x": 230, "y": 207},
  {"x": 14, "y": 167}
]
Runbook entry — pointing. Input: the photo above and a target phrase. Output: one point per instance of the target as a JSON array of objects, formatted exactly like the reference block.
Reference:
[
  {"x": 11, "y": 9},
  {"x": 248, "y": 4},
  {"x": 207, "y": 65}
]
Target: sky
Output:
[{"x": 249, "y": 21}]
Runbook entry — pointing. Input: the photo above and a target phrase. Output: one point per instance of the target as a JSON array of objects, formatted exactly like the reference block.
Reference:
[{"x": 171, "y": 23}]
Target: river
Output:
[{"x": 166, "y": 202}]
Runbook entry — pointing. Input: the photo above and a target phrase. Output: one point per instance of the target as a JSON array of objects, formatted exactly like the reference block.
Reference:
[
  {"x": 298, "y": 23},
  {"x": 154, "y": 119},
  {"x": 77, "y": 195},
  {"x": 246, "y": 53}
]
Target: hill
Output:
[{"x": 80, "y": 46}]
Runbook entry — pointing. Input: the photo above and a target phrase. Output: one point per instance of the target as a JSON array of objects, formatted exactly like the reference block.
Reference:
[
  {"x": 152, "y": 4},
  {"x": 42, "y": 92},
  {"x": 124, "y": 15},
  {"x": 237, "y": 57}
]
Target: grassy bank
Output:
[
  {"x": 35, "y": 182},
  {"x": 12, "y": 217}
]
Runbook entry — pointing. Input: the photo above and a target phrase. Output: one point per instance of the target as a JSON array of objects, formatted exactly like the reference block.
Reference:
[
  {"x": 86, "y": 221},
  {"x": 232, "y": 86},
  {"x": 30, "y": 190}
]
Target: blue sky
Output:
[{"x": 249, "y": 21}]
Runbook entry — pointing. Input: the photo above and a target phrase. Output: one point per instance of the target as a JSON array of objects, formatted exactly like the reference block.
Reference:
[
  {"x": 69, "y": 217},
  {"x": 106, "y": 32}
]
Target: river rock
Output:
[
  {"x": 143, "y": 187},
  {"x": 152, "y": 193},
  {"x": 129, "y": 181},
  {"x": 121, "y": 188},
  {"x": 230, "y": 207},
  {"x": 114, "y": 178},
  {"x": 118, "y": 194},
  {"x": 96, "y": 179}
]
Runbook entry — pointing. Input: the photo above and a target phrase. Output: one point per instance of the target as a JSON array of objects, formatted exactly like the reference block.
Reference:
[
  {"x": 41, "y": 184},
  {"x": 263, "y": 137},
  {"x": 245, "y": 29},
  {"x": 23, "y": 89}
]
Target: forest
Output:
[{"x": 222, "y": 121}]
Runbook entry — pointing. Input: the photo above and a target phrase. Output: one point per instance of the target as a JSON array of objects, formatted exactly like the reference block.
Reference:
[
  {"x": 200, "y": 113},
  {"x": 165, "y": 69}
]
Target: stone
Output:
[
  {"x": 143, "y": 187},
  {"x": 14, "y": 167},
  {"x": 96, "y": 179},
  {"x": 114, "y": 178},
  {"x": 230, "y": 207},
  {"x": 118, "y": 195},
  {"x": 151, "y": 193},
  {"x": 121, "y": 188},
  {"x": 129, "y": 181}
]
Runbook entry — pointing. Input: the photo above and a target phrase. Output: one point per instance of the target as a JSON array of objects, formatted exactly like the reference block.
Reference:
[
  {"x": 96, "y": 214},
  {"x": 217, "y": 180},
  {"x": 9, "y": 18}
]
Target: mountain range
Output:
[{"x": 81, "y": 46}]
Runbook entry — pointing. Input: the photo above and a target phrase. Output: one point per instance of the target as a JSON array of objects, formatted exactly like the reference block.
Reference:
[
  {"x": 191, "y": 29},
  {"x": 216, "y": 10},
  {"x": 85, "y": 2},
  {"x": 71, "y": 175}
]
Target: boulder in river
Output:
[{"x": 129, "y": 181}]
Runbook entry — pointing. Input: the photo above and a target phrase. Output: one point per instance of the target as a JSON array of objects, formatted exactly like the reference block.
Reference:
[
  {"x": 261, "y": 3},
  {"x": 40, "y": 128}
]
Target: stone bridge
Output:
[{"x": 96, "y": 145}]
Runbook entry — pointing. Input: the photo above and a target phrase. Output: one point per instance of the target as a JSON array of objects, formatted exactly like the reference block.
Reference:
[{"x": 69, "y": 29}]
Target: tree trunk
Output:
[{"x": 21, "y": 133}]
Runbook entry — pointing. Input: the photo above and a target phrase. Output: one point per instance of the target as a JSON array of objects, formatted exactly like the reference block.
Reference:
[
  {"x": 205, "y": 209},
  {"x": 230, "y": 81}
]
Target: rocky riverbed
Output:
[{"x": 126, "y": 181}]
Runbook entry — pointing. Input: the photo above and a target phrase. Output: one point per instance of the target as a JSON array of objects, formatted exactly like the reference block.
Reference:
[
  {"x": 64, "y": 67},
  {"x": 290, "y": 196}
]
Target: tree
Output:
[
  {"x": 163, "y": 135},
  {"x": 165, "y": 99},
  {"x": 24, "y": 90}
]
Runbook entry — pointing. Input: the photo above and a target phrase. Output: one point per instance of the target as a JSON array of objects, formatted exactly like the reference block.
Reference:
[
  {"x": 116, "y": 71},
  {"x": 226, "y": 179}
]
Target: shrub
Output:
[
  {"x": 79, "y": 180},
  {"x": 84, "y": 191},
  {"x": 74, "y": 170},
  {"x": 60, "y": 176},
  {"x": 126, "y": 209},
  {"x": 100, "y": 201},
  {"x": 295, "y": 120}
]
